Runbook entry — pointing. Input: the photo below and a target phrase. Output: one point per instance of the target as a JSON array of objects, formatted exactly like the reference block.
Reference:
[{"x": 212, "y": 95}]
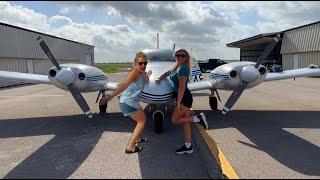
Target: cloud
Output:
[
  {"x": 58, "y": 21},
  {"x": 24, "y": 17},
  {"x": 65, "y": 10},
  {"x": 206, "y": 27}
]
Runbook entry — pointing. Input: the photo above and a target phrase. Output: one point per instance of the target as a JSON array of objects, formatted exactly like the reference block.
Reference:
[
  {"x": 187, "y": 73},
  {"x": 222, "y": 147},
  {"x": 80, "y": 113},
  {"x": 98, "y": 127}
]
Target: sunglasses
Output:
[
  {"x": 140, "y": 63},
  {"x": 181, "y": 55}
]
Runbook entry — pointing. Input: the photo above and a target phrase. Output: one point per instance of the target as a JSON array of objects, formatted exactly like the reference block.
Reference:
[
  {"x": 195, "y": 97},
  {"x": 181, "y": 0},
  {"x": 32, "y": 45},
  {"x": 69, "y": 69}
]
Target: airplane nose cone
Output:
[
  {"x": 157, "y": 93},
  {"x": 249, "y": 74}
]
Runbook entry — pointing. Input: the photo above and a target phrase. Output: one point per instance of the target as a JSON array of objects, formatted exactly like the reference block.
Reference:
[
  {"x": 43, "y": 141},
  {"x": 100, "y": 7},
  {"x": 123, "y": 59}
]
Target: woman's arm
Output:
[
  {"x": 165, "y": 74},
  {"x": 181, "y": 89},
  {"x": 132, "y": 77},
  {"x": 162, "y": 76}
]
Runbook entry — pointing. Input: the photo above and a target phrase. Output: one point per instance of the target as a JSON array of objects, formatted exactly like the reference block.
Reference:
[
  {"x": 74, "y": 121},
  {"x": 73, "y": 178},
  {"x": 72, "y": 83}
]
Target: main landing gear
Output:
[
  {"x": 213, "y": 100},
  {"x": 102, "y": 103}
]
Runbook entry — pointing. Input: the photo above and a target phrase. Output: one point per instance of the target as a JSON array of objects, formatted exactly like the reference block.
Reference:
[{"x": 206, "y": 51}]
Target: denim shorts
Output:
[{"x": 126, "y": 109}]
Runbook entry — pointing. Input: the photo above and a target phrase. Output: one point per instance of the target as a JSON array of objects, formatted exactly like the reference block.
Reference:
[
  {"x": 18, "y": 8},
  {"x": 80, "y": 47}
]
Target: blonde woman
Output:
[
  {"x": 179, "y": 75},
  {"x": 130, "y": 100}
]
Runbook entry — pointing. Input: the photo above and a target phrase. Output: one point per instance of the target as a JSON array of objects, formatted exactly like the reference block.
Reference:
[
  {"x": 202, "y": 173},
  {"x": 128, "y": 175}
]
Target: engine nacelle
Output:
[{"x": 85, "y": 78}]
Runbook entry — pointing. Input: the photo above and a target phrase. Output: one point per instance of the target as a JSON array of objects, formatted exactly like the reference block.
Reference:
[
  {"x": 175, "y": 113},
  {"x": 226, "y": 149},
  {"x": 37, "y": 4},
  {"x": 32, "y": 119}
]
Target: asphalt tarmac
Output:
[{"x": 44, "y": 134}]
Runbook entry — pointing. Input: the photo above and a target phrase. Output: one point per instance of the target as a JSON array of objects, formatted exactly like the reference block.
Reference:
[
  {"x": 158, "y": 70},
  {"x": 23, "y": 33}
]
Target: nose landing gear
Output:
[{"x": 158, "y": 121}]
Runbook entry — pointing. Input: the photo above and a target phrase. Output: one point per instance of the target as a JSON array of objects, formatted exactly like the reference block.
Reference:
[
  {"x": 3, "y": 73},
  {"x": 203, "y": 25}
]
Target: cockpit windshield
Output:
[{"x": 160, "y": 55}]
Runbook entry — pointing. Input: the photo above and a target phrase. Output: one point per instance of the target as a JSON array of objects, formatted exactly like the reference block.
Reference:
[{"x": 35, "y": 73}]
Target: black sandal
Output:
[
  {"x": 143, "y": 139},
  {"x": 137, "y": 148}
]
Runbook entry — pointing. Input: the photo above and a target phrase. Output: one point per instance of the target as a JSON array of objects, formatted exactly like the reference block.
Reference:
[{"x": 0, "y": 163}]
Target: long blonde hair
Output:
[
  {"x": 139, "y": 55},
  {"x": 187, "y": 62}
]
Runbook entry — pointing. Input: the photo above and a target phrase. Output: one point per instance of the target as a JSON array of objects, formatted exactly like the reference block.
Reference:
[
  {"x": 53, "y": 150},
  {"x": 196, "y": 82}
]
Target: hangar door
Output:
[
  {"x": 30, "y": 66},
  {"x": 88, "y": 59},
  {"x": 295, "y": 64}
]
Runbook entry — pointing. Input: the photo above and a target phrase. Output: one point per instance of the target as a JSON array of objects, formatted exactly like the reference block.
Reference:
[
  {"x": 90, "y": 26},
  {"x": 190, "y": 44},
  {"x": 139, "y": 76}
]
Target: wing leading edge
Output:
[
  {"x": 25, "y": 77},
  {"x": 303, "y": 72},
  {"x": 110, "y": 86},
  {"x": 201, "y": 85}
]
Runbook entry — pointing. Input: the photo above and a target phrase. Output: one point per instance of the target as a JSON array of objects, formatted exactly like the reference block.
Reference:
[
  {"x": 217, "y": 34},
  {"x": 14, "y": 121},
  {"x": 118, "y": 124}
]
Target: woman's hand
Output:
[
  {"x": 149, "y": 73},
  {"x": 108, "y": 97},
  {"x": 157, "y": 81}
]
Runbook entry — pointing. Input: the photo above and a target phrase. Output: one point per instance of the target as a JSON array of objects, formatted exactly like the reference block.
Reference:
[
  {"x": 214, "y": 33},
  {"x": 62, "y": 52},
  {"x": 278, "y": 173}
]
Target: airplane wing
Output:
[
  {"x": 25, "y": 77},
  {"x": 201, "y": 85},
  {"x": 110, "y": 86},
  {"x": 303, "y": 72}
]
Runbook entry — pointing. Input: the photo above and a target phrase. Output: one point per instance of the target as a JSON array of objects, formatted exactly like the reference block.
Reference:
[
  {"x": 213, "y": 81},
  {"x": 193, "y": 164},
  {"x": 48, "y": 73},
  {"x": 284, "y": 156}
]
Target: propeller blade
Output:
[
  {"x": 234, "y": 97},
  {"x": 46, "y": 50},
  {"x": 268, "y": 50},
  {"x": 80, "y": 100}
]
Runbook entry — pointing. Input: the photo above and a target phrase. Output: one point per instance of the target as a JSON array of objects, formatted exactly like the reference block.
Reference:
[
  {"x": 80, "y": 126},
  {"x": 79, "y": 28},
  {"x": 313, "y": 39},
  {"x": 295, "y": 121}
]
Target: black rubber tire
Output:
[
  {"x": 103, "y": 107},
  {"x": 213, "y": 102},
  {"x": 203, "y": 70},
  {"x": 158, "y": 122}
]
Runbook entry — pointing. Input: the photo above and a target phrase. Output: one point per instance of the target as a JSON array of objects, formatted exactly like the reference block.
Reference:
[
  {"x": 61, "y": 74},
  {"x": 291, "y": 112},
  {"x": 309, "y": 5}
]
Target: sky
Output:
[{"x": 119, "y": 29}]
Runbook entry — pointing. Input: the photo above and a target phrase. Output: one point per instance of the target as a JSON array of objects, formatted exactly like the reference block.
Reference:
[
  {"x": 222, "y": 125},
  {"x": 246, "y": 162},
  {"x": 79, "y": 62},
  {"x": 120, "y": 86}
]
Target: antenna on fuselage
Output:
[{"x": 157, "y": 40}]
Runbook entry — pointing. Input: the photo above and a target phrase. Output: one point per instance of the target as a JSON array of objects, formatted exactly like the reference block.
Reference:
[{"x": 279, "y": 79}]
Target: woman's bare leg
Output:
[
  {"x": 141, "y": 119},
  {"x": 183, "y": 118}
]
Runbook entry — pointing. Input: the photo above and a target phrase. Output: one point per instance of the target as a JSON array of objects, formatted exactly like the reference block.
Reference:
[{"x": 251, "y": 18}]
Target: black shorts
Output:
[{"x": 187, "y": 99}]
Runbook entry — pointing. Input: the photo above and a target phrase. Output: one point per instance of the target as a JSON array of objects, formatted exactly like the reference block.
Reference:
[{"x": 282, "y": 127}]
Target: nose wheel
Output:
[
  {"x": 103, "y": 106},
  {"x": 213, "y": 103},
  {"x": 158, "y": 121}
]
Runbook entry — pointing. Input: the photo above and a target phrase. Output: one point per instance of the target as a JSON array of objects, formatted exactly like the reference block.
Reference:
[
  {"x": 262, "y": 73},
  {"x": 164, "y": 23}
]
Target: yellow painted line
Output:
[{"x": 223, "y": 162}]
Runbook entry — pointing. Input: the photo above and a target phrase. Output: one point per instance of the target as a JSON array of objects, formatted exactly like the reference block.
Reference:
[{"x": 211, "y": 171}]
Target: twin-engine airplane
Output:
[{"x": 236, "y": 77}]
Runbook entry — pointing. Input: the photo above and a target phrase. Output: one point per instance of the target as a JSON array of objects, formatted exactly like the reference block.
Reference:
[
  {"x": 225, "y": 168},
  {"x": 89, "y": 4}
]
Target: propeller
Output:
[
  {"x": 244, "y": 83},
  {"x": 46, "y": 50},
  {"x": 72, "y": 88}
]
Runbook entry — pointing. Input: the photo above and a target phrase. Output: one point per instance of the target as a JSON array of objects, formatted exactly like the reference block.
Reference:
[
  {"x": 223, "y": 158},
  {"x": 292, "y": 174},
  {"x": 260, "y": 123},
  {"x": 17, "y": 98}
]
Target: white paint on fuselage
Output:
[{"x": 158, "y": 93}]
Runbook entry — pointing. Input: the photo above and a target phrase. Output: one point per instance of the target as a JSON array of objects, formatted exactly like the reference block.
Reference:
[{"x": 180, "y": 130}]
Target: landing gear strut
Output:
[{"x": 213, "y": 100}]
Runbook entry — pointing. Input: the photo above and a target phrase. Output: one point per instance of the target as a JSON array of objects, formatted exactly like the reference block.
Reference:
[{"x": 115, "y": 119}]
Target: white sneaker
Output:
[{"x": 203, "y": 120}]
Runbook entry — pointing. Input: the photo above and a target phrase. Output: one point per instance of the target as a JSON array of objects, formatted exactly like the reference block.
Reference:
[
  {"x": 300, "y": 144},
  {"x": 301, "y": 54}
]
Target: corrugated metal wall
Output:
[
  {"x": 18, "y": 45},
  {"x": 23, "y": 44},
  {"x": 305, "y": 43},
  {"x": 305, "y": 59},
  {"x": 20, "y": 65},
  {"x": 304, "y": 39},
  {"x": 9, "y": 64}
]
